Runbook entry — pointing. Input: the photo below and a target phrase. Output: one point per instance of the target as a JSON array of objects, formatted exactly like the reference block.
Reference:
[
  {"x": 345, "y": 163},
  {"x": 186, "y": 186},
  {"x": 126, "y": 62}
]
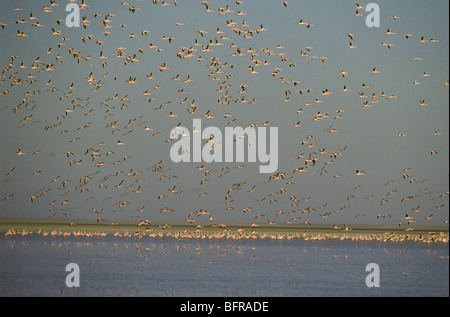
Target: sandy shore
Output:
[{"x": 183, "y": 230}]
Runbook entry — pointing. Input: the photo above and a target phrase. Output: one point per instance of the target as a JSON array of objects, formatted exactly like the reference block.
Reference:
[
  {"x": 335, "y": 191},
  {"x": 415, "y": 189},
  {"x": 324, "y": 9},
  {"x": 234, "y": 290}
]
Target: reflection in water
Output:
[{"x": 111, "y": 266}]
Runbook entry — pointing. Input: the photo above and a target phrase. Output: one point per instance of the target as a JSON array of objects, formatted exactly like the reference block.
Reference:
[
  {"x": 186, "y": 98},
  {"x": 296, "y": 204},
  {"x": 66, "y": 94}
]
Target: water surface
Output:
[{"x": 109, "y": 266}]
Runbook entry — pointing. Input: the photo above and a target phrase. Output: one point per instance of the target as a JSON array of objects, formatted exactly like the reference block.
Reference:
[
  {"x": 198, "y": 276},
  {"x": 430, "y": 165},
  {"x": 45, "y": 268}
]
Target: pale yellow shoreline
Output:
[{"x": 235, "y": 231}]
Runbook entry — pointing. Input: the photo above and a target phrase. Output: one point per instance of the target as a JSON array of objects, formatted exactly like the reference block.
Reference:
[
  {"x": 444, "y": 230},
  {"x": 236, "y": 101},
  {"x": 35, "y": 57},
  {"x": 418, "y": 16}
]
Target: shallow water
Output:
[{"x": 110, "y": 266}]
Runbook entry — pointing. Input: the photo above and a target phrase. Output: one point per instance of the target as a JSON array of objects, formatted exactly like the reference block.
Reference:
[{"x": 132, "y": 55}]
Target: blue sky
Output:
[{"x": 99, "y": 118}]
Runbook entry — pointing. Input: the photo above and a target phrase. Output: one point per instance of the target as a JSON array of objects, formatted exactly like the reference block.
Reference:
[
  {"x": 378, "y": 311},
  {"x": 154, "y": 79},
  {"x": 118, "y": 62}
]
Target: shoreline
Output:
[{"x": 207, "y": 230}]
